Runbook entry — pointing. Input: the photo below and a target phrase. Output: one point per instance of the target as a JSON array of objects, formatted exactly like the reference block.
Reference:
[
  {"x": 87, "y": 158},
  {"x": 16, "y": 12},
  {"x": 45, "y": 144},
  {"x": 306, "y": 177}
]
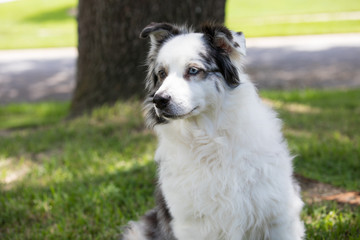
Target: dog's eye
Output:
[
  {"x": 193, "y": 71},
  {"x": 162, "y": 74}
]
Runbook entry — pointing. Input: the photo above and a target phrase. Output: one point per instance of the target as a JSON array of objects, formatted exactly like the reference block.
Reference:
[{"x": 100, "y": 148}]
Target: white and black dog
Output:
[{"x": 224, "y": 168}]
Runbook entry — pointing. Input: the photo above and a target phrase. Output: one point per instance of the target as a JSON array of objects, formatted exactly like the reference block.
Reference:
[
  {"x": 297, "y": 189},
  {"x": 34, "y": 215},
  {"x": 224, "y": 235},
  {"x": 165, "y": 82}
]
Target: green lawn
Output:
[
  {"x": 37, "y": 24},
  {"x": 85, "y": 178},
  {"x": 323, "y": 129},
  {"x": 41, "y": 23},
  {"x": 24, "y": 115},
  {"x": 291, "y": 17}
]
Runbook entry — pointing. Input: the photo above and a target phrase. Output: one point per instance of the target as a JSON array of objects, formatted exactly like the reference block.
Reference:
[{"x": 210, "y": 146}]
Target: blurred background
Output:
[{"x": 75, "y": 157}]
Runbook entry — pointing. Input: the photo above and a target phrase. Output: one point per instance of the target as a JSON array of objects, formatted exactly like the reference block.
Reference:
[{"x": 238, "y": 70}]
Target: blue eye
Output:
[{"x": 193, "y": 71}]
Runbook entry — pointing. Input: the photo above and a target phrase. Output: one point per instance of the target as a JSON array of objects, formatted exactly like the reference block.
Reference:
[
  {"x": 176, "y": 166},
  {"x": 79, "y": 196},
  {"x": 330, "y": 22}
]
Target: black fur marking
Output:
[
  {"x": 164, "y": 217},
  {"x": 219, "y": 53},
  {"x": 156, "y": 222},
  {"x": 151, "y": 223},
  {"x": 154, "y": 27},
  {"x": 223, "y": 62},
  {"x": 212, "y": 30},
  {"x": 155, "y": 78}
]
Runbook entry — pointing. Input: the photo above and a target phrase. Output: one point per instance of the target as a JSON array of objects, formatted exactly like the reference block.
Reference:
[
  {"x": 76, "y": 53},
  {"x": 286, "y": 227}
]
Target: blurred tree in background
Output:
[{"x": 111, "y": 55}]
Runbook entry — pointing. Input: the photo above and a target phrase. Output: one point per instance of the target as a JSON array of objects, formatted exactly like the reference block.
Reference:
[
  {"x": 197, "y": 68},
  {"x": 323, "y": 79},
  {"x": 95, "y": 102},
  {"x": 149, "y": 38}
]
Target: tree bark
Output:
[{"x": 111, "y": 56}]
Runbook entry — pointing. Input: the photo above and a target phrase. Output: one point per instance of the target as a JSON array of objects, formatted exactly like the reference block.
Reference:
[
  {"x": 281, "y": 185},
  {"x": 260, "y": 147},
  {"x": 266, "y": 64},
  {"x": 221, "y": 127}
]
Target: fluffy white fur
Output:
[
  {"x": 230, "y": 178},
  {"x": 224, "y": 169}
]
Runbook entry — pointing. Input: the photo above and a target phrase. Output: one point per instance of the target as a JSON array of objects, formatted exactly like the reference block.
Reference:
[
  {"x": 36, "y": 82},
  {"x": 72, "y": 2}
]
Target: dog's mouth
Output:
[{"x": 167, "y": 115}]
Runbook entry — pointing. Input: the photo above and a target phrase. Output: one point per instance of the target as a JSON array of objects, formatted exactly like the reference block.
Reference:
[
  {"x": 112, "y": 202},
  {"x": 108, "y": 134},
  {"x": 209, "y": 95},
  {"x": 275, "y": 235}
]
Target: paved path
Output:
[
  {"x": 323, "y": 61},
  {"x": 36, "y": 75}
]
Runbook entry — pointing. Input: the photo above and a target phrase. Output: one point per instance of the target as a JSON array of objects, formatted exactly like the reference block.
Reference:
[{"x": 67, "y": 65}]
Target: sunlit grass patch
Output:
[
  {"x": 291, "y": 17},
  {"x": 25, "y": 115},
  {"x": 12, "y": 170},
  {"x": 43, "y": 24},
  {"x": 37, "y": 24},
  {"x": 331, "y": 221},
  {"x": 292, "y": 107}
]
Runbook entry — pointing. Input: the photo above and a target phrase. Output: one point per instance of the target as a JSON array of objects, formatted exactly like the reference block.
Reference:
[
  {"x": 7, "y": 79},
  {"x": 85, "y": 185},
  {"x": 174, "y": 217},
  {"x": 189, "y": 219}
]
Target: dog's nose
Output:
[{"x": 161, "y": 100}]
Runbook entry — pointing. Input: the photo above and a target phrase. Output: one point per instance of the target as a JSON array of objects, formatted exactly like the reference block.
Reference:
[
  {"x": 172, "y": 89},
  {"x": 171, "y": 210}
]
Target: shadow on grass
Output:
[
  {"x": 54, "y": 15},
  {"x": 85, "y": 177},
  {"x": 86, "y": 208}
]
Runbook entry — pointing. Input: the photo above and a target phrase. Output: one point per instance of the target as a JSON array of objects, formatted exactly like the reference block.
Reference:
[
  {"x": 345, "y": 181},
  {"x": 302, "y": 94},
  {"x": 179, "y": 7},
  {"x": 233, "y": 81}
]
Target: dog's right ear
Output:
[{"x": 158, "y": 32}]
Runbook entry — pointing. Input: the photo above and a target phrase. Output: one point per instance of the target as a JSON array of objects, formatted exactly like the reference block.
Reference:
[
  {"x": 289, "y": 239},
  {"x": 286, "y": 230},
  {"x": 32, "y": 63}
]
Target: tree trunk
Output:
[{"x": 111, "y": 56}]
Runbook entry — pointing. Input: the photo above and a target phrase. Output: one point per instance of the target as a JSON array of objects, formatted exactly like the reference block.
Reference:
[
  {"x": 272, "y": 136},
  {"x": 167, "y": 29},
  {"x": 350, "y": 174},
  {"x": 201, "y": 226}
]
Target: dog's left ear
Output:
[
  {"x": 228, "y": 48},
  {"x": 158, "y": 32},
  {"x": 229, "y": 41}
]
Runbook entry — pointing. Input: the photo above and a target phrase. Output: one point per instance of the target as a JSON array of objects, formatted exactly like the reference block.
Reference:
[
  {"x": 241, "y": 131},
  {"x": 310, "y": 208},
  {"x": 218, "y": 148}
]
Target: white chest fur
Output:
[{"x": 212, "y": 187}]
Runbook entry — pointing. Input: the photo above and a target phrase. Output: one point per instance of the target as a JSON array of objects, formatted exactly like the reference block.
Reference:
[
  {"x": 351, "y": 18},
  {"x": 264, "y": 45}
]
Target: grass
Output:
[
  {"x": 23, "y": 115},
  {"x": 260, "y": 18},
  {"x": 323, "y": 129},
  {"x": 329, "y": 221},
  {"x": 77, "y": 179},
  {"x": 85, "y": 178},
  {"x": 41, "y": 23},
  {"x": 37, "y": 24}
]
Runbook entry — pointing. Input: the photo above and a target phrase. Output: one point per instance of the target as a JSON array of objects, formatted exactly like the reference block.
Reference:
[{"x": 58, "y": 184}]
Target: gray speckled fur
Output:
[{"x": 154, "y": 225}]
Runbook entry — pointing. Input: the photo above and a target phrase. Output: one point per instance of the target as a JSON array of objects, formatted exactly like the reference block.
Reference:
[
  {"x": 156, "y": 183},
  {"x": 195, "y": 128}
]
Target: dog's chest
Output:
[{"x": 200, "y": 182}]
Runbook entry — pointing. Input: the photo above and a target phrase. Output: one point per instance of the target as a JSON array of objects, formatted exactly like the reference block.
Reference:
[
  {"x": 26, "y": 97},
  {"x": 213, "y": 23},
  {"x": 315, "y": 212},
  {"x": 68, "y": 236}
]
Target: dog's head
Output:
[{"x": 187, "y": 70}]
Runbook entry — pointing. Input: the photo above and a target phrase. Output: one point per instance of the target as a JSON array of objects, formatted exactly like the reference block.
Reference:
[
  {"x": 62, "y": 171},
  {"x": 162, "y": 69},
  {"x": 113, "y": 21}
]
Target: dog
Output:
[{"x": 224, "y": 168}]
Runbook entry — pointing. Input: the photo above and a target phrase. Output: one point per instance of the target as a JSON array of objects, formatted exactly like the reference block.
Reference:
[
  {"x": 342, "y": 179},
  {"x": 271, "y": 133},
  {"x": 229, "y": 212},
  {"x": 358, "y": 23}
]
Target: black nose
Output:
[{"x": 161, "y": 100}]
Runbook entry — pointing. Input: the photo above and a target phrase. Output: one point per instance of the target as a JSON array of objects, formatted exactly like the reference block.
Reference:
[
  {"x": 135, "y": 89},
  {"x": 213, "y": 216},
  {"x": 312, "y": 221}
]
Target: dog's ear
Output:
[
  {"x": 158, "y": 32},
  {"x": 230, "y": 42},
  {"x": 228, "y": 47}
]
